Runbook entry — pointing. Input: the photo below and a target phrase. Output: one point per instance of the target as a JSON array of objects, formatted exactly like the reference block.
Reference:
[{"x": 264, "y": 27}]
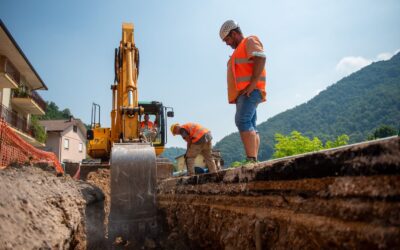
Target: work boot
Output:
[{"x": 251, "y": 159}]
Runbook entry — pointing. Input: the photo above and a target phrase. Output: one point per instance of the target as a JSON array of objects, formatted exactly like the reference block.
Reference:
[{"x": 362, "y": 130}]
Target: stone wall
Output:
[{"x": 341, "y": 198}]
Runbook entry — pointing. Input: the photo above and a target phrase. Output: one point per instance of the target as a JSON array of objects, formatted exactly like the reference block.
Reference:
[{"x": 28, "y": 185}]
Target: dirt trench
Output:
[
  {"x": 346, "y": 198},
  {"x": 164, "y": 239}
]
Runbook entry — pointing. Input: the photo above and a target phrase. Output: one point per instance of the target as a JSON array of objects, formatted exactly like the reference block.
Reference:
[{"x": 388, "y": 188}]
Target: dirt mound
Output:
[{"x": 40, "y": 210}]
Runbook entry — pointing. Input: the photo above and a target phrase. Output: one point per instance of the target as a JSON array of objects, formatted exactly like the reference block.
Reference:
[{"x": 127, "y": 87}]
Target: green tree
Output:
[
  {"x": 340, "y": 141},
  {"x": 296, "y": 143},
  {"x": 66, "y": 113},
  {"x": 54, "y": 113},
  {"x": 38, "y": 130},
  {"x": 382, "y": 132}
]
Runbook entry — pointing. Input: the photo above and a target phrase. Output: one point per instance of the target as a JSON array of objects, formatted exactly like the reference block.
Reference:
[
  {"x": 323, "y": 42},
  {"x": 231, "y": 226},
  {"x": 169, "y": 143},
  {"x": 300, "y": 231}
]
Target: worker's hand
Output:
[{"x": 250, "y": 88}]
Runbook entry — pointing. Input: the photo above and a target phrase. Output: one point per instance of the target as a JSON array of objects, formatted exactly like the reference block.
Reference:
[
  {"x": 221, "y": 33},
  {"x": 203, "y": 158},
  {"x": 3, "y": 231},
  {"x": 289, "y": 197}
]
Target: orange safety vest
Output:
[
  {"x": 242, "y": 68},
  {"x": 149, "y": 124},
  {"x": 195, "y": 131}
]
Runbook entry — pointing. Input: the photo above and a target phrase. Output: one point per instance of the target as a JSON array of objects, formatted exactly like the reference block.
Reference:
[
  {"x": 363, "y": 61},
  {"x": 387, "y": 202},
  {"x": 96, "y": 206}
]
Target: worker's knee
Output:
[{"x": 244, "y": 124}]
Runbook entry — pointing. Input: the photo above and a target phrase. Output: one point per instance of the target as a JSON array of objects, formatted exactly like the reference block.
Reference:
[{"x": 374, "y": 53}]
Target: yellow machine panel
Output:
[{"x": 100, "y": 146}]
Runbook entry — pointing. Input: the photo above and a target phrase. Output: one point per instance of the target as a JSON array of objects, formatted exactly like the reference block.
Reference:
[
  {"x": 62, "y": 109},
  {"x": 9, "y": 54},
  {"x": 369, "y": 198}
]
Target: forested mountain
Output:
[{"x": 356, "y": 105}]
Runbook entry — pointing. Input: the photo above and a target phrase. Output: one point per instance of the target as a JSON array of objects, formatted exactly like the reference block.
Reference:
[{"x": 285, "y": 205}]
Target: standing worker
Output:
[
  {"x": 198, "y": 140},
  {"x": 246, "y": 83}
]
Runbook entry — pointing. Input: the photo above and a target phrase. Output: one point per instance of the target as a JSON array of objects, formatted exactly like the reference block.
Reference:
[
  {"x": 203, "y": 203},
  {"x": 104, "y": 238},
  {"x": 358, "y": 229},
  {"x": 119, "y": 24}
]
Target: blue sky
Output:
[{"x": 309, "y": 46}]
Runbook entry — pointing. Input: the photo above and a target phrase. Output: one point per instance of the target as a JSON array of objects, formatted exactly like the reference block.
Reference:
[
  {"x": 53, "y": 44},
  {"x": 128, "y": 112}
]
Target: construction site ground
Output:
[
  {"x": 346, "y": 198},
  {"x": 40, "y": 211}
]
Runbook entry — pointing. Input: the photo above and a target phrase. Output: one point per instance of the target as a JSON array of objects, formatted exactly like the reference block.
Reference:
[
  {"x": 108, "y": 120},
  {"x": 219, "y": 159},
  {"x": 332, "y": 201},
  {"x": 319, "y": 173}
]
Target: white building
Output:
[
  {"x": 66, "y": 138},
  {"x": 18, "y": 85}
]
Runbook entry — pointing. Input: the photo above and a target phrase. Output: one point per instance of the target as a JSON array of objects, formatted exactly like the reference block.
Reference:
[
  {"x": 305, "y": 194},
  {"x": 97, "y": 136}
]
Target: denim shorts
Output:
[{"x": 246, "y": 111}]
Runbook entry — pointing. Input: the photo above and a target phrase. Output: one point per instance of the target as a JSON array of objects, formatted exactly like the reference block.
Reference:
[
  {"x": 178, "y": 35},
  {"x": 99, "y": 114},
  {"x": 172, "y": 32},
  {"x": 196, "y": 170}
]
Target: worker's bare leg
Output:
[
  {"x": 257, "y": 144},
  {"x": 250, "y": 143},
  {"x": 208, "y": 158},
  {"x": 191, "y": 154}
]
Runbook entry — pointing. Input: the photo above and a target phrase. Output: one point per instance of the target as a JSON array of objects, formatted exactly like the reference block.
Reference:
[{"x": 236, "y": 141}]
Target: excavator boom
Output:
[
  {"x": 133, "y": 161},
  {"x": 128, "y": 148}
]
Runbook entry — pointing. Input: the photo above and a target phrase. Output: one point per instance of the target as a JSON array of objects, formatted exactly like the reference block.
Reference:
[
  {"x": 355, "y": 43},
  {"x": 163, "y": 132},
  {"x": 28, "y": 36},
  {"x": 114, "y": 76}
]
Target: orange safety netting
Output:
[{"x": 13, "y": 149}]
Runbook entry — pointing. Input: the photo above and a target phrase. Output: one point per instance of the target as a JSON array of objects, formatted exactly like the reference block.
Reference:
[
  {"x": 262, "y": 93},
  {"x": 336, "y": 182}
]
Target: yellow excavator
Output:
[{"x": 129, "y": 147}]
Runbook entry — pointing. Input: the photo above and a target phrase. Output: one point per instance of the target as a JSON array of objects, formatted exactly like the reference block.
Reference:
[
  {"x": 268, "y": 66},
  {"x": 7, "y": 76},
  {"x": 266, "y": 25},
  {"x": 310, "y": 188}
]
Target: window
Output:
[
  {"x": 80, "y": 147},
  {"x": 66, "y": 143},
  {"x": 75, "y": 128}
]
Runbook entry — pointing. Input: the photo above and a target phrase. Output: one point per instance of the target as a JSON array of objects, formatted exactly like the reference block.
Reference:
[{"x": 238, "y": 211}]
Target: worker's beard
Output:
[{"x": 235, "y": 44}]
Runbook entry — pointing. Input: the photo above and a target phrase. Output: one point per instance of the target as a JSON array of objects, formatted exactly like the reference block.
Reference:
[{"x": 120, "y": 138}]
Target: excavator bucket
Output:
[{"x": 133, "y": 192}]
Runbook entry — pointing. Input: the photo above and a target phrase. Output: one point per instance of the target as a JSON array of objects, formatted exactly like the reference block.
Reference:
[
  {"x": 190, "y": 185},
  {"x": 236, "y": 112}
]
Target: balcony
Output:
[
  {"x": 31, "y": 102},
  {"x": 9, "y": 76},
  {"x": 15, "y": 120}
]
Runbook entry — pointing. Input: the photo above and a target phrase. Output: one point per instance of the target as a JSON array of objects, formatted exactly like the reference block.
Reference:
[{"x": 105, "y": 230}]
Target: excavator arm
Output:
[
  {"x": 133, "y": 161},
  {"x": 130, "y": 155}
]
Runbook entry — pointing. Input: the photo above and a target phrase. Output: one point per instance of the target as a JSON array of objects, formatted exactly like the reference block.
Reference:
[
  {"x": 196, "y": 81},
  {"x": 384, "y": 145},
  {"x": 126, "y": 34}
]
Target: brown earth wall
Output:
[
  {"x": 344, "y": 198},
  {"x": 39, "y": 210}
]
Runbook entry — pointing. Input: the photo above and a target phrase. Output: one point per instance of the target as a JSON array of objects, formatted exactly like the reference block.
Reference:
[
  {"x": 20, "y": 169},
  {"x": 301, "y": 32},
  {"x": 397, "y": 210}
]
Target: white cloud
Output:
[
  {"x": 350, "y": 64},
  {"x": 384, "y": 56}
]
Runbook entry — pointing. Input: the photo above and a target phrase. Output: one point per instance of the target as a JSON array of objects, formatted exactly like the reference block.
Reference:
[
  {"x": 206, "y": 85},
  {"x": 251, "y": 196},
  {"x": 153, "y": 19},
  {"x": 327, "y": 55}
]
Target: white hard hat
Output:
[{"x": 227, "y": 27}]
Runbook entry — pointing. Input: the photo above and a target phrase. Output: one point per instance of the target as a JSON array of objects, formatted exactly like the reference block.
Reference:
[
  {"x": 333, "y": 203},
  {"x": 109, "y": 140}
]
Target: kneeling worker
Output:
[{"x": 198, "y": 140}]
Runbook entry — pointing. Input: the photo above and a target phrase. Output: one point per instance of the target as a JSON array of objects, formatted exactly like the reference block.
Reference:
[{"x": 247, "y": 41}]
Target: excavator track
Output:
[{"x": 133, "y": 192}]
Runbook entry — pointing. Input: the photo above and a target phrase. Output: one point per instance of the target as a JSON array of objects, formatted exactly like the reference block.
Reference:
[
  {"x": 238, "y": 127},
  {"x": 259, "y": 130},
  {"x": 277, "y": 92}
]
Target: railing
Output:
[
  {"x": 9, "y": 69},
  {"x": 38, "y": 99},
  {"x": 14, "y": 120},
  {"x": 33, "y": 95}
]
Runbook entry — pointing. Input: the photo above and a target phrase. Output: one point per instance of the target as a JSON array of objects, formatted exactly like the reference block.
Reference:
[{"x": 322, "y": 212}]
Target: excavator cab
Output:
[{"x": 157, "y": 135}]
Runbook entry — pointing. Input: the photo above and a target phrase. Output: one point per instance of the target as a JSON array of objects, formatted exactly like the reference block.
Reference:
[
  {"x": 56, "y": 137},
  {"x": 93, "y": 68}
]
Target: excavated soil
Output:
[{"x": 40, "y": 211}]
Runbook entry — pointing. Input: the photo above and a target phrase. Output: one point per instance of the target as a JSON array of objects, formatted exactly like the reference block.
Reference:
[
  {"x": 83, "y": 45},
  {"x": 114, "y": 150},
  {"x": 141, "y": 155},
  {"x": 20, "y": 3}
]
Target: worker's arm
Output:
[
  {"x": 186, "y": 137},
  {"x": 188, "y": 142},
  {"x": 259, "y": 64}
]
